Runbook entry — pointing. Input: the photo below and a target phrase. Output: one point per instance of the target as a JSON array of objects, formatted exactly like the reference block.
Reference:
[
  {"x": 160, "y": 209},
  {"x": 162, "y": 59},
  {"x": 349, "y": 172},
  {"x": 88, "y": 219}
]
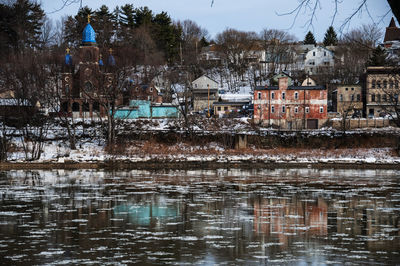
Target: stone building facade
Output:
[{"x": 382, "y": 90}]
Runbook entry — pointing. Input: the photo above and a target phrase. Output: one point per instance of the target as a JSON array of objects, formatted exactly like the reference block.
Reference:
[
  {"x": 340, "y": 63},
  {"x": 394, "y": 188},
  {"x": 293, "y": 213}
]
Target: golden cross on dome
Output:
[{"x": 88, "y": 18}]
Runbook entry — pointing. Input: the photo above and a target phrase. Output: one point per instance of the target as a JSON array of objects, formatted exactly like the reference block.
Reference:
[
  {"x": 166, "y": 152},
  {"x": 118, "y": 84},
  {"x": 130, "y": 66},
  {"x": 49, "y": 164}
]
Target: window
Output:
[
  {"x": 195, "y": 85},
  {"x": 384, "y": 98},
  {"x": 378, "y": 84},
  {"x": 259, "y": 95},
  {"x": 341, "y": 97},
  {"x": 385, "y": 84},
  {"x": 283, "y": 109},
  {"x": 321, "y": 109},
  {"x": 272, "y": 109},
  {"x": 352, "y": 97},
  {"x": 66, "y": 89},
  {"x": 283, "y": 95},
  {"x": 88, "y": 86},
  {"x": 324, "y": 53},
  {"x": 313, "y": 53},
  {"x": 372, "y": 97},
  {"x": 226, "y": 108},
  {"x": 151, "y": 89},
  {"x": 358, "y": 97},
  {"x": 307, "y": 110},
  {"x": 347, "y": 89},
  {"x": 352, "y": 89},
  {"x": 296, "y": 95},
  {"x": 379, "y": 98},
  {"x": 396, "y": 84},
  {"x": 296, "y": 110},
  {"x": 391, "y": 84},
  {"x": 373, "y": 84},
  {"x": 272, "y": 95},
  {"x": 219, "y": 108}
]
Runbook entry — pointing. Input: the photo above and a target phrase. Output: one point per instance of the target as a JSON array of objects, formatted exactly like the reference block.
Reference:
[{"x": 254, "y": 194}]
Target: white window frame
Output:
[
  {"x": 283, "y": 96},
  {"x": 272, "y": 95},
  {"x": 296, "y": 95},
  {"x": 283, "y": 109},
  {"x": 321, "y": 109},
  {"x": 307, "y": 110},
  {"x": 296, "y": 110},
  {"x": 259, "y": 95},
  {"x": 272, "y": 109}
]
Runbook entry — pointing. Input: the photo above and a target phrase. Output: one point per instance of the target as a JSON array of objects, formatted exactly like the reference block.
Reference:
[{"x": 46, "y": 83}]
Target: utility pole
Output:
[{"x": 208, "y": 100}]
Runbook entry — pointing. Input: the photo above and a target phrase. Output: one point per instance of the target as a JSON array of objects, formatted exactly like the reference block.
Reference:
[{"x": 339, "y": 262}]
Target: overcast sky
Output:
[{"x": 246, "y": 15}]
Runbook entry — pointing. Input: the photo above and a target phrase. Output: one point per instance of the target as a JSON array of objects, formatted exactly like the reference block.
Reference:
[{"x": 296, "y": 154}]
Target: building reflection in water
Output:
[{"x": 284, "y": 218}]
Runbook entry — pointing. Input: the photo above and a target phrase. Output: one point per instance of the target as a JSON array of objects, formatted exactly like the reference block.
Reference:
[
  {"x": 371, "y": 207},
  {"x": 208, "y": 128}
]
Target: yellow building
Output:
[{"x": 349, "y": 100}]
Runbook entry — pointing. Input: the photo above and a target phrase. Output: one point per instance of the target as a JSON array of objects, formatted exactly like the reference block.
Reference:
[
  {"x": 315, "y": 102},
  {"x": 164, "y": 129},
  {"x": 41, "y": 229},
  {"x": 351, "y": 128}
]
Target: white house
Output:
[{"x": 318, "y": 59}]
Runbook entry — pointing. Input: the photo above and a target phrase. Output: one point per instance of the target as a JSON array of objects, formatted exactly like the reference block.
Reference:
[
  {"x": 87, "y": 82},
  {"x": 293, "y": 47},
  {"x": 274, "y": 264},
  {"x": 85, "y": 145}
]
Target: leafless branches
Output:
[{"x": 311, "y": 8}]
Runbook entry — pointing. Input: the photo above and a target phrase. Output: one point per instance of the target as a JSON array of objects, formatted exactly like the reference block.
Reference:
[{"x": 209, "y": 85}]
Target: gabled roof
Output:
[
  {"x": 206, "y": 77},
  {"x": 392, "y": 32}
]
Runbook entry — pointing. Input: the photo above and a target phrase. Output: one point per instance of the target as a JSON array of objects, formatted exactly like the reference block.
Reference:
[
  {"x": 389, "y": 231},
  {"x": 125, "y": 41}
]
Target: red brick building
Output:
[{"x": 291, "y": 107}]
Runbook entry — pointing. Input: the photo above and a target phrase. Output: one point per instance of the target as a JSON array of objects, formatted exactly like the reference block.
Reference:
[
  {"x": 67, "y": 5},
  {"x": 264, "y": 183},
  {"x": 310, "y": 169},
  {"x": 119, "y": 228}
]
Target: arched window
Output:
[
  {"x": 373, "y": 84},
  {"x": 85, "y": 107},
  {"x": 75, "y": 107},
  {"x": 96, "y": 107},
  {"x": 66, "y": 89},
  {"x": 296, "y": 95},
  {"x": 64, "y": 107},
  {"x": 88, "y": 86},
  {"x": 385, "y": 84}
]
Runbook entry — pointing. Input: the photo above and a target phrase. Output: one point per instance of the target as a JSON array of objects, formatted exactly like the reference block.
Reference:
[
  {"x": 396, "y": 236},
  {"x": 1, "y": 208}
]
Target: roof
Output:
[
  {"x": 14, "y": 102},
  {"x": 206, "y": 77},
  {"x": 231, "y": 103},
  {"x": 392, "y": 32},
  {"x": 260, "y": 88},
  {"x": 88, "y": 35}
]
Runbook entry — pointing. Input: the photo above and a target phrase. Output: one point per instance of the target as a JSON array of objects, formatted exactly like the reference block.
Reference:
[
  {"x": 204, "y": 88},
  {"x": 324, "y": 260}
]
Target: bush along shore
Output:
[{"x": 269, "y": 148}]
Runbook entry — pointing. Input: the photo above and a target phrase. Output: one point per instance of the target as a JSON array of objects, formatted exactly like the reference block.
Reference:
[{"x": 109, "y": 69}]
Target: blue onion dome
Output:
[
  {"x": 88, "y": 36},
  {"x": 111, "y": 59},
  {"x": 101, "y": 61},
  {"x": 68, "y": 58}
]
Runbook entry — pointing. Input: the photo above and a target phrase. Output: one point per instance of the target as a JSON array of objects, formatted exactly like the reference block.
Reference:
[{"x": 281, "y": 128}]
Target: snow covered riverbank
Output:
[{"x": 157, "y": 155}]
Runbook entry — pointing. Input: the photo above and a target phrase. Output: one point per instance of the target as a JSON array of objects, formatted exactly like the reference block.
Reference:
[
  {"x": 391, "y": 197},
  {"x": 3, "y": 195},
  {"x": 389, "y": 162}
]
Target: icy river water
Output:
[{"x": 200, "y": 217}]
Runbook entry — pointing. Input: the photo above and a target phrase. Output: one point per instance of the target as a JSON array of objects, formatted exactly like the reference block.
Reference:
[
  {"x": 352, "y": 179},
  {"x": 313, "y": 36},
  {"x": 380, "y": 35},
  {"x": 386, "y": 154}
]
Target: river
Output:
[{"x": 201, "y": 217}]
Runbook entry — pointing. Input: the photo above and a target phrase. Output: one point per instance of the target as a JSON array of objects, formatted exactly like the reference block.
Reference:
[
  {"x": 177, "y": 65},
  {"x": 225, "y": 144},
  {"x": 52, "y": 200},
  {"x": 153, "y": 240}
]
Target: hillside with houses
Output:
[{"x": 110, "y": 87}]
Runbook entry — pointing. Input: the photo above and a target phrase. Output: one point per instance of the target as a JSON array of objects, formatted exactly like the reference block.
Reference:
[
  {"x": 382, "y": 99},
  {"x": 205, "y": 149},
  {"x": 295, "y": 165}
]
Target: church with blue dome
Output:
[{"x": 85, "y": 81}]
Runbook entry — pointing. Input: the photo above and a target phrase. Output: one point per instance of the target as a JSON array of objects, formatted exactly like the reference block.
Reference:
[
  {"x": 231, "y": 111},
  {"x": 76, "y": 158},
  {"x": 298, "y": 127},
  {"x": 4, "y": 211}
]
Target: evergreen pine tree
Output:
[
  {"x": 309, "y": 39},
  {"x": 330, "y": 37},
  {"x": 378, "y": 57},
  {"x": 127, "y": 13}
]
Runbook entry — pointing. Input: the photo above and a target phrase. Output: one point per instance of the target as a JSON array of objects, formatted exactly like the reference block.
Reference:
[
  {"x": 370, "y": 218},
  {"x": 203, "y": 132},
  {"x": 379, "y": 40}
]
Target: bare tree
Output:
[
  {"x": 236, "y": 47},
  {"x": 312, "y": 7},
  {"x": 277, "y": 46},
  {"x": 191, "y": 35},
  {"x": 26, "y": 74}
]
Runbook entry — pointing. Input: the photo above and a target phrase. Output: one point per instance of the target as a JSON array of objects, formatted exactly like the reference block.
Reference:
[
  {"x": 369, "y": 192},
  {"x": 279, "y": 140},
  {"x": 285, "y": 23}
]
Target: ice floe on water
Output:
[{"x": 212, "y": 217}]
